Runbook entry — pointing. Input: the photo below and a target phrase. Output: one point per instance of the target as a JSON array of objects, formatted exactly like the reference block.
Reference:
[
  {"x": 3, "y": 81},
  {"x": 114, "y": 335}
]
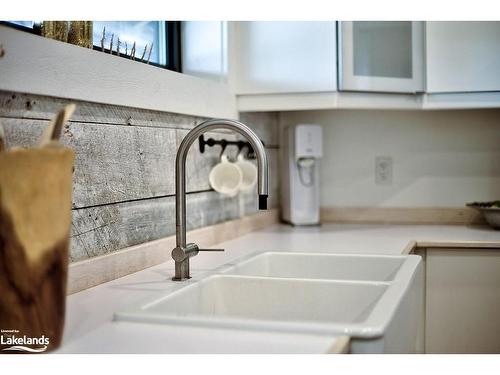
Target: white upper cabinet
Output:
[
  {"x": 282, "y": 65},
  {"x": 383, "y": 56},
  {"x": 463, "y": 56},
  {"x": 284, "y": 57}
]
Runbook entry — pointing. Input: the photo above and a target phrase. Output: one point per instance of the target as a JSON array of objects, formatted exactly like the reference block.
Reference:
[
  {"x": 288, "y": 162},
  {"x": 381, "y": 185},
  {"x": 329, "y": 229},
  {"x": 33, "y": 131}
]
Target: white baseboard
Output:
[{"x": 401, "y": 215}]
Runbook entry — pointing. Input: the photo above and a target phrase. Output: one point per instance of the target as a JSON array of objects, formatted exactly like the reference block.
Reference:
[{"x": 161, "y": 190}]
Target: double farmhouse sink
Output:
[{"x": 376, "y": 300}]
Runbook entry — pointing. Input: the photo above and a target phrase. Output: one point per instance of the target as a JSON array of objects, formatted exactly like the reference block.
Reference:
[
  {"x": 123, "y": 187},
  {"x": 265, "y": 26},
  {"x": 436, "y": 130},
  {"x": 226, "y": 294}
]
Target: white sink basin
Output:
[
  {"x": 321, "y": 266},
  {"x": 298, "y": 305},
  {"x": 378, "y": 303}
]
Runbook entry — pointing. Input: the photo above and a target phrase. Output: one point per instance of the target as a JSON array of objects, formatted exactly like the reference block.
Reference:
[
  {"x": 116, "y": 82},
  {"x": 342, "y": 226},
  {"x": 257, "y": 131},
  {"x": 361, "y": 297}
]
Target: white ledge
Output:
[
  {"x": 37, "y": 65},
  {"x": 461, "y": 100},
  {"x": 366, "y": 100}
]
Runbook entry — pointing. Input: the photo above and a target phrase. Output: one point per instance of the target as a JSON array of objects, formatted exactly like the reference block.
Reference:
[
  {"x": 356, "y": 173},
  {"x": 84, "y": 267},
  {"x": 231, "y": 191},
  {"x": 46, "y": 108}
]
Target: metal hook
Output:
[
  {"x": 223, "y": 144},
  {"x": 210, "y": 142},
  {"x": 241, "y": 147}
]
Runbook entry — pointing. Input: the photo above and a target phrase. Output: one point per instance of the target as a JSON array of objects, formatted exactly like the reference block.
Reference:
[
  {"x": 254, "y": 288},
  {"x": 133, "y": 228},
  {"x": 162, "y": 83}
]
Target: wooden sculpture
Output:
[{"x": 35, "y": 220}]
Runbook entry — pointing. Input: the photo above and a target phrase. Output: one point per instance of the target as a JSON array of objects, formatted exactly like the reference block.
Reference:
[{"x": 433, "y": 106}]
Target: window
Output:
[
  {"x": 162, "y": 36},
  {"x": 204, "y": 49},
  {"x": 28, "y": 24},
  {"x": 145, "y": 34}
]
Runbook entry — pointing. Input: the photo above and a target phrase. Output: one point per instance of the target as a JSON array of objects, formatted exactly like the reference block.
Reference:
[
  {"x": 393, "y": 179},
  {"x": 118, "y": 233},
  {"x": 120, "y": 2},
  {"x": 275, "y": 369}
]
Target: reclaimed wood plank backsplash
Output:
[{"x": 123, "y": 184}]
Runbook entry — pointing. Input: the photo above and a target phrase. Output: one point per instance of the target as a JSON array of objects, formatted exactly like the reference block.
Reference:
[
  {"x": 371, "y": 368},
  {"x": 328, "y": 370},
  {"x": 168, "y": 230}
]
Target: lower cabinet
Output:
[{"x": 462, "y": 312}]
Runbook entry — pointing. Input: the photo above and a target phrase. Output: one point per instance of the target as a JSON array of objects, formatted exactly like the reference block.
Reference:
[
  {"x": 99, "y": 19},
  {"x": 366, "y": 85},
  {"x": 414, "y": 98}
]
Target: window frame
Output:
[{"x": 170, "y": 35}]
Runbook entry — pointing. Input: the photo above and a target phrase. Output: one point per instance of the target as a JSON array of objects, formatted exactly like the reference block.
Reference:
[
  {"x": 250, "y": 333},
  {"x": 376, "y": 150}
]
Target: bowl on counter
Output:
[{"x": 490, "y": 211}]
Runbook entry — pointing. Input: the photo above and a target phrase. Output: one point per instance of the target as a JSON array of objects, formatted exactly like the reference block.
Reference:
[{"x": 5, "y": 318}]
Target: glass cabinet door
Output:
[{"x": 384, "y": 56}]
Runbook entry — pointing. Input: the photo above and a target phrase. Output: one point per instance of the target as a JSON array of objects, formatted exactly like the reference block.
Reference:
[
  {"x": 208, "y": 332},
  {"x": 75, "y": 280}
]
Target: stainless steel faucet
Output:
[{"x": 183, "y": 251}]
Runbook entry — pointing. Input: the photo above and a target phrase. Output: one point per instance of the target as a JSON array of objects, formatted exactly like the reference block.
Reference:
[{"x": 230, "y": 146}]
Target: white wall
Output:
[
  {"x": 440, "y": 158},
  {"x": 204, "y": 49}
]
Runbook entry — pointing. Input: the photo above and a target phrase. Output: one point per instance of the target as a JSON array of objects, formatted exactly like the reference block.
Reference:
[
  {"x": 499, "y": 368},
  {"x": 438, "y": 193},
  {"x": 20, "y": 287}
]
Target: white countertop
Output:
[{"x": 89, "y": 327}]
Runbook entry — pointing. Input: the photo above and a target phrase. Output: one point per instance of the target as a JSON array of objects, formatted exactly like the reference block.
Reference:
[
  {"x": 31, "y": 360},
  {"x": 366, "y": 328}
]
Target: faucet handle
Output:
[{"x": 179, "y": 254}]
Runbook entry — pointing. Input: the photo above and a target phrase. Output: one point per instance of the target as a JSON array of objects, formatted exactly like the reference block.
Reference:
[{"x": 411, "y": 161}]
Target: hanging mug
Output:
[
  {"x": 249, "y": 173},
  {"x": 226, "y": 177}
]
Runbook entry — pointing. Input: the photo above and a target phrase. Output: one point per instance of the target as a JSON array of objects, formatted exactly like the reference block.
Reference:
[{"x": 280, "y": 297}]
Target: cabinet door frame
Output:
[
  {"x": 326, "y": 77},
  {"x": 462, "y": 56},
  {"x": 458, "y": 314},
  {"x": 347, "y": 81}
]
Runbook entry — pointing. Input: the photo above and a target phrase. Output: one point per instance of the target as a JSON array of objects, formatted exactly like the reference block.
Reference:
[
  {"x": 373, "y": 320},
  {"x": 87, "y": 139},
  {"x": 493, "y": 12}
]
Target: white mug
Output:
[
  {"x": 249, "y": 173},
  {"x": 226, "y": 177}
]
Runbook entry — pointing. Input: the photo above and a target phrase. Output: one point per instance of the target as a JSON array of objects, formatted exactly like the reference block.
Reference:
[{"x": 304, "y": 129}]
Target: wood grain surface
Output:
[{"x": 35, "y": 217}]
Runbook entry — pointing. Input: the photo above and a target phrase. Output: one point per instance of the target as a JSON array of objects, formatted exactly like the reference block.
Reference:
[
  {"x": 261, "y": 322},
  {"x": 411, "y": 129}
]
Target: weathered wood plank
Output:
[
  {"x": 113, "y": 163},
  {"x": 17, "y": 135},
  {"x": 28, "y": 106},
  {"x": 104, "y": 229},
  {"x": 36, "y": 107},
  {"x": 120, "y": 163}
]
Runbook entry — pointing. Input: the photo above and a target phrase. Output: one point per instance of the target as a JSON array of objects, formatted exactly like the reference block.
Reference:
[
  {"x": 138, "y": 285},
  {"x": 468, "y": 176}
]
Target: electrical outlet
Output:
[{"x": 383, "y": 170}]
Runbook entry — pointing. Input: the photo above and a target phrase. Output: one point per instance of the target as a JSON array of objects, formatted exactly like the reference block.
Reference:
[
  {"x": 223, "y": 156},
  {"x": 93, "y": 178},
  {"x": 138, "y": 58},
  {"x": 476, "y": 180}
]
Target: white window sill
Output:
[{"x": 42, "y": 66}]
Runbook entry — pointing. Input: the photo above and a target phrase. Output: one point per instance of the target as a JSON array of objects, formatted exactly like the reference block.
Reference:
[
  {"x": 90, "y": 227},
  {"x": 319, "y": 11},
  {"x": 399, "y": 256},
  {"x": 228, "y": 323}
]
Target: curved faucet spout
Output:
[{"x": 182, "y": 262}]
